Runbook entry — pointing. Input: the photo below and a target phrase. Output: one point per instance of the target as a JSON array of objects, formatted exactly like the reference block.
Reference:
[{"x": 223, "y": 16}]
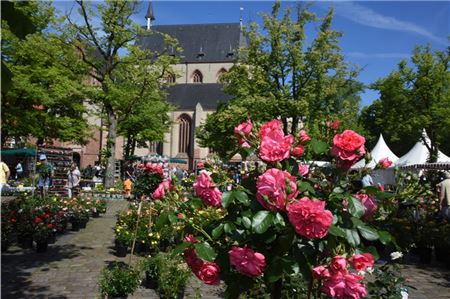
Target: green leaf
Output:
[
  {"x": 274, "y": 271},
  {"x": 337, "y": 231},
  {"x": 279, "y": 219},
  {"x": 180, "y": 248},
  {"x": 305, "y": 186},
  {"x": 355, "y": 207},
  {"x": 262, "y": 221},
  {"x": 162, "y": 220},
  {"x": 246, "y": 222},
  {"x": 173, "y": 218},
  {"x": 368, "y": 232},
  {"x": 318, "y": 146},
  {"x": 205, "y": 251},
  {"x": 352, "y": 236},
  {"x": 229, "y": 227},
  {"x": 242, "y": 197},
  {"x": 227, "y": 199},
  {"x": 385, "y": 237},
  {"x": 217, "y": 232},
  {"x": 338, "y": 190}
]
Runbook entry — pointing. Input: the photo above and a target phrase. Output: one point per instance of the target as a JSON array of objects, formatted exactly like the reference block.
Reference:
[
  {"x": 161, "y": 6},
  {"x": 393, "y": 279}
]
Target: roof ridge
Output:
[{"x": 199, "y": 24}]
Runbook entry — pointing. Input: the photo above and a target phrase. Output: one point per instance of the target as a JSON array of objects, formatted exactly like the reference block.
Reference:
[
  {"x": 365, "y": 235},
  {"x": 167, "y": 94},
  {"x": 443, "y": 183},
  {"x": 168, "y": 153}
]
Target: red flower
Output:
[
  {"x": 348, "y": 147},
  {"x": 298, "y": 150},
  {"x": 338, "y": 264},
  {"x": 343, "y": 286},
  {"x": 361, "y": 261},
  {"x": 246, "y": 261},
  {"x": 334, "y": 124},
  {"x": 275, "y": 188},
  {"x": 304, "y": 136},
  {"x": 45, "y": 215},
  {"x": 13, "y": 220},
  {"x": 370, "y": 204},
  {"x": 275, "y": 146},
  {"x": 190, "y": 238},
  {"x": 273, "y": 125},
  {"x": 320, "y": 272},
  {"x": 208, "y": 272},
  {"x": 37, "y": 220},
  {"x": 384, "y": 163},
  {"x": 200, "y": 165},
  {"x": 50, "y": 226},
  {"x": 309, "y": 218},
  {"x": 243, "y": 129},
  {"x": 206, "y": 189}
]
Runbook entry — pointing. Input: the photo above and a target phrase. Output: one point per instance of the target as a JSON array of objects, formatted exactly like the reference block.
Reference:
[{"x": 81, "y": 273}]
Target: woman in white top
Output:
[{"x": 73, "y": 179}]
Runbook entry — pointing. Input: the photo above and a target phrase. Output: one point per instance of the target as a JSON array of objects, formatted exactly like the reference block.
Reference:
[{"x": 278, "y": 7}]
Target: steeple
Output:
[{"x": 149, "y": 16}]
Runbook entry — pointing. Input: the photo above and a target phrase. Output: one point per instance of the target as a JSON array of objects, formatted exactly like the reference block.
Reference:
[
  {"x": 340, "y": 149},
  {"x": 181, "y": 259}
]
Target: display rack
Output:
[{"x": 61, "y": 158}]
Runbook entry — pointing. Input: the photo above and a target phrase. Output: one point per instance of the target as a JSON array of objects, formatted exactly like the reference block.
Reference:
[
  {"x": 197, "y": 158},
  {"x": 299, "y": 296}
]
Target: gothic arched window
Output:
[
  {"x": 185, "y": 134},
  {"x": 221, "y": 72},
  {"x": 171, "y": 78},
  {"x": 197, "y": 77}
]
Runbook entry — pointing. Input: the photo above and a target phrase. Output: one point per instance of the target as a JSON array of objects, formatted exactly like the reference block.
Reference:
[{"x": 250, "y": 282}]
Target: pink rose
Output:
[
  {"x": 275, "y": 146},
  {"x": 298, "y": 150},
  {"x": 246, "y": 261},
  {"x": 244, "y": 129},
  {"x": 303, "y": 169},
  {"x": 343, "y": 286},
  {"x": 208, "y": 273},
  {"x": 273, "y": 125},
  {"x": 205, "y": 188},
  {"x": 190, "y": 238},
  {"x": 384, "y": 163},
  {"x": 361, "y": 261},
  {"x": 338, "y": 264},
  {"x": 161, "y": 190},
  {"x": 304, "y": 136},
  {"x": 192, "y": 259},
  {"x": 320, "y": 272},
  {"x": 275, "y": 188},
  {"x": 348, "y": 147},
  {"x": 369, "y": 203},
  {"x": 309, "y": 218},
  {"x": 200, "y": 165},
  {"x": 334, "y": 124},
  {"x": 243, "y": 143}
]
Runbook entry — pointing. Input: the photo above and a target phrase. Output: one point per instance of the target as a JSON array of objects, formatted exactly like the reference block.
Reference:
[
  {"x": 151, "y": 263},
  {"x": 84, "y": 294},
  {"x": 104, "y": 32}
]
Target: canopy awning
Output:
[
  {"x": 18, "y": 152},
  {"x": 437, "y": 166},
  {"x": 176, "y": 160}
]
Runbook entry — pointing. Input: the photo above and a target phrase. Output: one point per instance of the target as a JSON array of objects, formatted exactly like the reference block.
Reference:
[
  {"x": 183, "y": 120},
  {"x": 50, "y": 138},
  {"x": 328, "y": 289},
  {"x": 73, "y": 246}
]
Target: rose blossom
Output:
[
  {"x": 338, "y": 264},
  {"x": 334, "y": 124},
  {"x": 190, "y": 238},
  {"x": 361, "y": 261},
  {"x": 342, "y": 286},
  {"x": 275, "y": 146},
  {"x": 370, "y": 204},
  {"x": 298, "y": 150},
  {"x": 309, "y": 218},
  {"x": 384, "y": 163},
  {"x": 304, "y": 136},
  {"x": 348, "y": 147},
  {"x": 161, "y": 189},
  {"x": 275, "y": 188},
  {"x": 243, "y": 143},
  {"x": 243, "y": 129},
  {"x": 320, "y": 272},
  {"x": 192, "y": 259},
  {"x": 303, "y": 169},
  {"x": 273, "y": 125},
  {"x": 206, "y": 189},
  {"x": 208, "y": 273},
  {"x": 246, "y": 261}
]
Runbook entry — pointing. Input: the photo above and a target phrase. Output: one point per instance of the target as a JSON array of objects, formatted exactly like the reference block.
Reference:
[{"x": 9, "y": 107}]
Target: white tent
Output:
[
  {"x": 419, "y": 154},
  {"x": 380, "y": 151}
]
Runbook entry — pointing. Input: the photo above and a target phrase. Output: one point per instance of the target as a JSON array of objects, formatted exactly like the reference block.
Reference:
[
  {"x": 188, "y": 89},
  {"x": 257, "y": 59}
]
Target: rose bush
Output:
[{"x": 288, "y": 222}]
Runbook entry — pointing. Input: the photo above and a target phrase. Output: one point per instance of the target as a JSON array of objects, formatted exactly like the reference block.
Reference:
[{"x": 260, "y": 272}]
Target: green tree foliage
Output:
[
  {"x": 43, "y": 99},
  {"x": 280, "y": 74},
  {"x": 413, "y": 98},
  {"x": 107, "y": 35}
]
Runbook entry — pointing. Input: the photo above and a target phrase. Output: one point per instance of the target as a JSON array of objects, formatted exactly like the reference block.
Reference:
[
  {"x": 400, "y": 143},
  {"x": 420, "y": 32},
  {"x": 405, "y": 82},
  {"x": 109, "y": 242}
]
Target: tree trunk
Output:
[
  {"x": 133, "y": 147},
  {"x": 127, "y": 153},
  {"x": 111, "y": 146}
]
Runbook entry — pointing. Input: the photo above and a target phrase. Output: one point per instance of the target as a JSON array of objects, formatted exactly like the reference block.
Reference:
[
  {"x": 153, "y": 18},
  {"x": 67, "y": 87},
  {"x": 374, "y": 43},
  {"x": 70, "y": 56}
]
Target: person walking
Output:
[
  {"x": 444, "y": 196},
  {"x": 73, "y": 180},
  {"x": 4, "y": 174},
  {"x": 46, "y": 172},
  {"x": 19, "y": 170}
]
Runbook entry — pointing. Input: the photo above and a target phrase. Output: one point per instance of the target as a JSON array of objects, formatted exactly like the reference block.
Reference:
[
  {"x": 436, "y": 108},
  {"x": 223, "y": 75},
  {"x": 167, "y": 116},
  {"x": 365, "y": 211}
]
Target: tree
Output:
[
  {"x": 413, "y": 98},
  {"x": 110, "y": 52},
  {"x": 44, "y": 99},
  {"x": 280, "y": 75}
]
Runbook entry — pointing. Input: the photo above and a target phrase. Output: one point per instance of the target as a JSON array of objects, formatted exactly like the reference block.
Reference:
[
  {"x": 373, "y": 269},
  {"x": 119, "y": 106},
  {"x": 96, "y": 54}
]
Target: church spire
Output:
[{"x": 149, "y": 16}]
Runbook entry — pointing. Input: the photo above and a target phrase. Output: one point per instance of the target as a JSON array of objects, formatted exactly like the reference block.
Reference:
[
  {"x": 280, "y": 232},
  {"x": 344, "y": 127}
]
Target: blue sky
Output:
[{"x": 377, "y": 34}]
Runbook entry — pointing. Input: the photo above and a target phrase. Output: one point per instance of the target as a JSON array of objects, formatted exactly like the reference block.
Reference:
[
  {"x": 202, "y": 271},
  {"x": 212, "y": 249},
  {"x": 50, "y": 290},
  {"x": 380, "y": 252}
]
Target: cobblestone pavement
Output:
[{"x": 70, "y": 268}]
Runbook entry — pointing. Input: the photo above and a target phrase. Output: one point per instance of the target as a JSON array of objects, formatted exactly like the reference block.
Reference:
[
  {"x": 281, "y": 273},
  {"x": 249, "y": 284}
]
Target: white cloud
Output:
[
  {"x": 366, "y": 16},
  {"x": 378, "y": 55}
]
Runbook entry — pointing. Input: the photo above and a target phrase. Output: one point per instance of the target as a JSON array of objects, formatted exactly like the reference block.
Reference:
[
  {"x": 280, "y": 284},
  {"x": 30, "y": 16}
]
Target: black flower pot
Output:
[
  {"x": 26, "y": 242},
  {"x": 75, "y": 225},
  {"x": 41, "y": 246},
  {"x": 83, "y": 223},
  {"x": 95, "y": 214},
  {"x": 150, "y": 281},
  {"x": 5, "y": 245},
  {"x": 61, "y": 227},
  {"x": 52, "y": 238},
  {"x": 141, "y": 248},
  {"x": 121, "y": 249}
]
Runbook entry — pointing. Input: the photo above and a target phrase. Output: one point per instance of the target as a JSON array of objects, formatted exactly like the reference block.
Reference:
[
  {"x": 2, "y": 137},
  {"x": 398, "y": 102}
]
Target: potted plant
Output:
[
  {"x": 150, "y": 268},
  {"x": 42, "y": 231},
  {"x": 119, "y": 280},
  {"x": 123, "y": 239}
]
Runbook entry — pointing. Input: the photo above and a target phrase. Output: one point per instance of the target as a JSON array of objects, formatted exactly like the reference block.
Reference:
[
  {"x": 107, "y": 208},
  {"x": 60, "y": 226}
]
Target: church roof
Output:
[
  {"x": 186, "y": 96},
  {"x": 200, "y": 42}
]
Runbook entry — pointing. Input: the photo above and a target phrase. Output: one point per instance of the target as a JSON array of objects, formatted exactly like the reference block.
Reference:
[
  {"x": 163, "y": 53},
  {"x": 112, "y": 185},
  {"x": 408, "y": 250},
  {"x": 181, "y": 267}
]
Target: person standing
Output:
[
  {"x": 46, "y": 172},
  {"x": 4, "y": 174},
  {"x": 19, "y": 170},
  {"x": 367, "y": 180},
  {"x": 73, "y": 179},
  {"x": 444, "y": 196}
]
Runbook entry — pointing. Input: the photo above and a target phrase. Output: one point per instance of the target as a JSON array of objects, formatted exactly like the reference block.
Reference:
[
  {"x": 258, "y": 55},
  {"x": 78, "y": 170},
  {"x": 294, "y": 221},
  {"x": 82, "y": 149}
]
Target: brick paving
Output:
[{"x": 70, "y": 268}]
